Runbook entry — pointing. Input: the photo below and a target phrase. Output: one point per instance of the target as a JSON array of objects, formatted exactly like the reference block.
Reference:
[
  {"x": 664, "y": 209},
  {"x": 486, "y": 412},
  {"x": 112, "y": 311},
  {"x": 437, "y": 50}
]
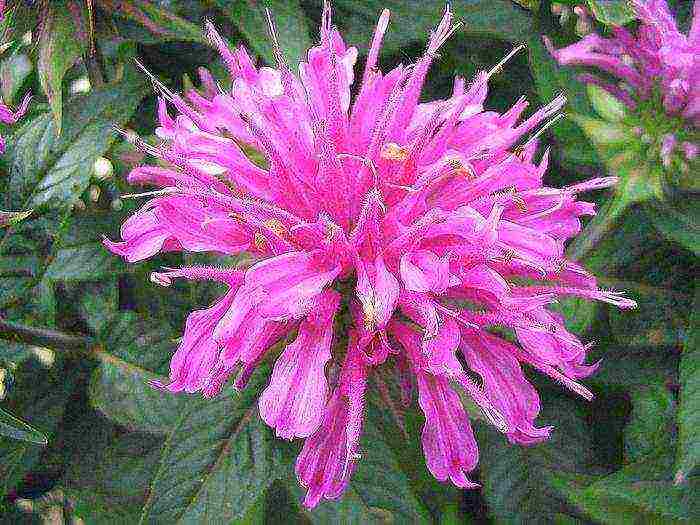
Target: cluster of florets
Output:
[
  {"x": 386, "y": 232},
  {"x": 656, "y": 68}
]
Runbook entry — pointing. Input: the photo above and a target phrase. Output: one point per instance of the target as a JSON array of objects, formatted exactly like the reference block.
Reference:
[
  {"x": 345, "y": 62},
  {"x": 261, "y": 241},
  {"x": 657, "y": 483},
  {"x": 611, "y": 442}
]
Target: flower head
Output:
[
  {"x": 386, "y": 232},
  {"x": 655, "y": 66}
]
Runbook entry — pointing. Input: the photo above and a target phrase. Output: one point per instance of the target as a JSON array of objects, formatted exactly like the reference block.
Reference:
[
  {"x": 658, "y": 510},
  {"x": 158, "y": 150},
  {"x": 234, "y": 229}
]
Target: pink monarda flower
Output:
[
  {"x": 656, "y": 62},
  {"x": 387, "y": 233}
]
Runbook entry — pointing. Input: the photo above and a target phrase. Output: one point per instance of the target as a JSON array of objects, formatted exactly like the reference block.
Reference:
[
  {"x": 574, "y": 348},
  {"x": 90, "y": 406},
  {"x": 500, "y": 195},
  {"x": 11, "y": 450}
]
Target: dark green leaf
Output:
[
  {"x": 612, "y": 12},
  {"x": 624, "y": 368},
  {"x": 60, "y": 46},
  {"x": 638, "y": 493},
  {"x": 659, "y": 319},
  {"x": 290, "y": 20},
  {"x": 108, "y": 472},
  {"x": 515, "y": 478},
  {"x": 552, "y": 80},
  {"x": 82, "y": 256},
  {"x": 412, "y": 21},
  {"x": 50, "y": 171},
  {"x": 39, "y": 396},
  {"x": 122, "y": 392},
  {"x": 650, "y": 425},
  {"x": 218, "y": 459},
  {"x": 689, "y": 405},
  {"x": 14, "y": 70},
  {"x": 678, "y": 218}
]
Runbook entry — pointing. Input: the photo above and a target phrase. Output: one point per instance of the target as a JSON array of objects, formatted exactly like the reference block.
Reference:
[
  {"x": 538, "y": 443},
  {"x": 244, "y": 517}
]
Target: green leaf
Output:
[
  {"x": 515, "y": 478},
  {"x": 131, "y": 353},
  {"x": 650, "y": 424},
  {"x": 122, "y": 392},
  {"x": 163, "y": 22},
  {"x": 98, "y": 450},
  {"x": 14, "y": 428},
  {"x": 689, "y": 399},
  {"x": 40, "y": 396},
  {"x": 82, "y": 256},
  {"x": 49, "y": 171},
  {"x": 25, "y": 249},
  {"x": 612, "y": 12},
  {"x": 60, "y": 46},
  {"x": 662, "y": 287},
  {"x": 412, "y": 21},
  {"x": 14, "y": 70},
  {"x": 624, "y": 368},
  {"x": 606, "y": 105},
  {"x": 637, "y": 493},
  {"x": 219, "y": 457},
  {"x": 678, "y": 218},
  {"x": 290, "y": 20},
  {"x": 552, "y": 80}
]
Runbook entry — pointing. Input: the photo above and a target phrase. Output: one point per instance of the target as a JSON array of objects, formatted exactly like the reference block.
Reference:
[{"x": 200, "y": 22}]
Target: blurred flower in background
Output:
[{"x": 649, "y": 80}]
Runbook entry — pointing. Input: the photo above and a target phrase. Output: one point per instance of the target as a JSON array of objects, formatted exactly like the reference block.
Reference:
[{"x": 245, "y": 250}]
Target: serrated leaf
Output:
[
  {"x": 689, "y": 398},
  {"x": 638, "y": 493},
  {"x": 144, "y": 343},
  {"x": 50, "y": 171},
  {"x": 122, "y": 392},
  {"x": 650, "y": 424},
  {"x": 290, "y": 20},
  {"x": 612, "y": 12},
  {"x": 664, "y": 298},
  {"x": 219, "y": 457},
  {"x": 515, "y": 478},
  {"x": 60, "y": 46},
  {"x": 14, "y": 428},
  {"x": 624, "y": 368},
  {"x": 131, "y": 353},
  {"x": 25, "y": 249}
]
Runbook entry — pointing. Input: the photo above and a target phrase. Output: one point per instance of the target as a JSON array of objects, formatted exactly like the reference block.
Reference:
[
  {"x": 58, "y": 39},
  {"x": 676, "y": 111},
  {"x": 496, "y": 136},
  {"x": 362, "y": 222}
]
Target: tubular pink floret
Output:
[{"x": 361, "y": 216}]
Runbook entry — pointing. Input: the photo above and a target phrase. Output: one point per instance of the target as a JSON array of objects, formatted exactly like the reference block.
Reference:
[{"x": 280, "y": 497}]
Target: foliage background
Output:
[{"x": 81, "y": 333}]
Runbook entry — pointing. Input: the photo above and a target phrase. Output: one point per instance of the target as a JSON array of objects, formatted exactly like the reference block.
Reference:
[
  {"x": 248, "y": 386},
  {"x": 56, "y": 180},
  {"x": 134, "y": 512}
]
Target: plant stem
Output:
[
  {"x": 47, "y": 337},
  {"x": 597, "y": 228}
]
